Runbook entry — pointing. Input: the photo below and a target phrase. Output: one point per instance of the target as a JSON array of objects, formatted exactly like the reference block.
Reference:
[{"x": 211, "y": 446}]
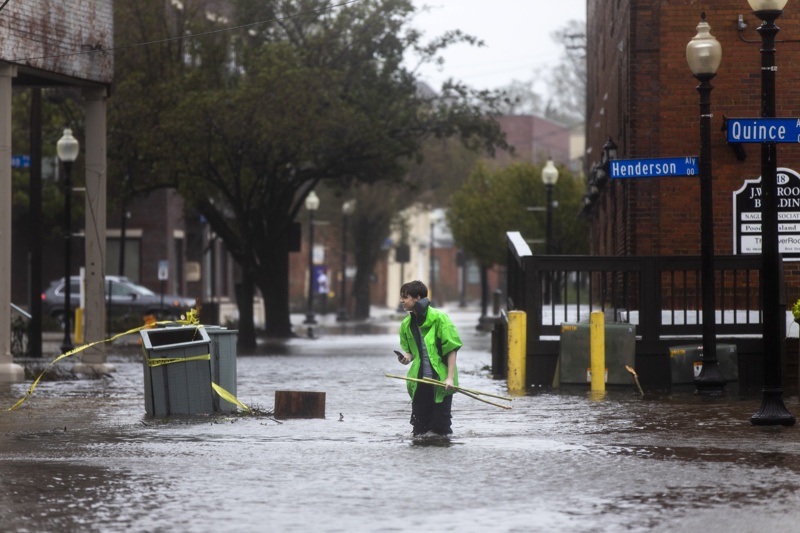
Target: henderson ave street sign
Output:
[
  {"x": 764, "y": 130},
  {"x": 653, "y": 168}
]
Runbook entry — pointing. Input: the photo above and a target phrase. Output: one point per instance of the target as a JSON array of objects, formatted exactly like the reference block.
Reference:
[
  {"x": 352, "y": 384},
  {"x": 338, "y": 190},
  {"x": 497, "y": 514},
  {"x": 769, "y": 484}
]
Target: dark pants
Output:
[{"x": 427, "y": 415}]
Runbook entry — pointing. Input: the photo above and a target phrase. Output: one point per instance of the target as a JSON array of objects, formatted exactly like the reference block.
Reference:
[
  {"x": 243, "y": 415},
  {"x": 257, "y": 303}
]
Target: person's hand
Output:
[
  {"x": 448, "y": 384},
  {"x": 405, "y": 360}
]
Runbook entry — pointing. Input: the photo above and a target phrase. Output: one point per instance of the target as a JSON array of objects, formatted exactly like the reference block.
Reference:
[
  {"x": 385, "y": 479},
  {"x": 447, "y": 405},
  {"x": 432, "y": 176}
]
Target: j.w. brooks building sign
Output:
[{"x": 747, "y": 216}]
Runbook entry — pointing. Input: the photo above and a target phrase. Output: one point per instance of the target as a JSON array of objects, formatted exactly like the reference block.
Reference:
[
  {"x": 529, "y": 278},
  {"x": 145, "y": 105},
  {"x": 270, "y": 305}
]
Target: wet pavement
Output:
[{"x": 81, "y": 455}]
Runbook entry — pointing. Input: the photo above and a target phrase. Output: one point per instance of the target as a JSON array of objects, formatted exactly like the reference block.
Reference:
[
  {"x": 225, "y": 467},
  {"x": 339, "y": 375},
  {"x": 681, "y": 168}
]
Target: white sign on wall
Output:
[{"x": 747, "y": 216}]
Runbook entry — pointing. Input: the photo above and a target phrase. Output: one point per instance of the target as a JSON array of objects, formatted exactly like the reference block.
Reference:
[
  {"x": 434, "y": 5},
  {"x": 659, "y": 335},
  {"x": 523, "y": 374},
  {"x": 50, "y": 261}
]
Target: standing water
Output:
[{"x": 82, "y": 455}]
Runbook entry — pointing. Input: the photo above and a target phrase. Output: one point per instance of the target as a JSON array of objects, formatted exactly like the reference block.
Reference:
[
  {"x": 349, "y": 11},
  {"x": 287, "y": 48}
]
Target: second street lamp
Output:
[
  {"x": 347, "y": 209},
  {"x": 312, "y": 204},
  {"x": 549, "y": 177},
  {"x": 67, "y": 148},
  {"x": 704, "y": 54},
  {"x": 772, "y": 411}
]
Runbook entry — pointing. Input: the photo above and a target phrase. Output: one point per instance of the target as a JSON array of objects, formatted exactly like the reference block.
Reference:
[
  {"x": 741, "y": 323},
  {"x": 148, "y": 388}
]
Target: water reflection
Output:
[{"x": 81, "y": 456}]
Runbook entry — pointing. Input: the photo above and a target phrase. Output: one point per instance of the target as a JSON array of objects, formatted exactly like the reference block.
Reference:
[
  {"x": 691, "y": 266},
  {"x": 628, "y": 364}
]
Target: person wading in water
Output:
[{"x": 430, "y": 343}]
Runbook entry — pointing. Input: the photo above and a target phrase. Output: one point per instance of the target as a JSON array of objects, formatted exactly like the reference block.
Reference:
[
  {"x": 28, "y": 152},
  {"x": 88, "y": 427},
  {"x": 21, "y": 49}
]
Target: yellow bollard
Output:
[
  {"x": 597, "y": 340},
  {"x": 517, "y": 353},
  {"x": 78, "y": 335}
]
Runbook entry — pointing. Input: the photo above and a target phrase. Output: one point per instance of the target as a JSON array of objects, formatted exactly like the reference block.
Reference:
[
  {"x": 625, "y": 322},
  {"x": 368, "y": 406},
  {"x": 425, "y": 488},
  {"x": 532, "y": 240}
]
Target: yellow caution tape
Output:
[
  {"x": 160, "y": 361},
  {"x": 190, "y": 320},
  {"x": 225, "y": 395}
]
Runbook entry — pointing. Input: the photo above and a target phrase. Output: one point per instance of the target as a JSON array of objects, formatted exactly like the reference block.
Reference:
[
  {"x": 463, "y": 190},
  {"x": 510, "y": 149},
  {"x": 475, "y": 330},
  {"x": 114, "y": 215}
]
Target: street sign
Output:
[
  {"x": 747, "y": 216},
  {"x": 163, "y": 270},
  {"x": 20, "y": 161},
  {"x": 763, "y": 130},
  {"x": 654, "y": 168}
]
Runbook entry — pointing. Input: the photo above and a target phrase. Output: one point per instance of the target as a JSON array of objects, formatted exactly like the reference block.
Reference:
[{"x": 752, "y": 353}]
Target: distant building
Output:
[{"x": 535, "y": 140}]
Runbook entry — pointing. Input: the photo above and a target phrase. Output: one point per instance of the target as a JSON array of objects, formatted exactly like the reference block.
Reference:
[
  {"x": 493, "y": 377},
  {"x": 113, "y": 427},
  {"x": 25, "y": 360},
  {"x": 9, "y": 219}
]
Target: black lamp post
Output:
[
  {"x": 312, "y": 204},
  {"x": 704, "y": 53},
  {"x": 67, "y": 148},
  {"x": 347, "y": 209},
  {"x": 549, "y": 177},
  {"x": 772, "y": 411}
]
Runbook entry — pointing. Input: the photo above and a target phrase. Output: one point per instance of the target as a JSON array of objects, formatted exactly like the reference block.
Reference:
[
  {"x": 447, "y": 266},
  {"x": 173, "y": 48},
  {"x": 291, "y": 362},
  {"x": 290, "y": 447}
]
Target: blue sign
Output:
[
  {"x": 763, "y": 130},
  {"x": 20, "y": 161},
  {"x": 654, "y": 168}
]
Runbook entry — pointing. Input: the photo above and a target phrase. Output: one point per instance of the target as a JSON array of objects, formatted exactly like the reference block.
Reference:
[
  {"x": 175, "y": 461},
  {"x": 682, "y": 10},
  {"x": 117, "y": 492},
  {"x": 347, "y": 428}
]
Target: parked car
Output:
[{"x": 124, "y": 298}]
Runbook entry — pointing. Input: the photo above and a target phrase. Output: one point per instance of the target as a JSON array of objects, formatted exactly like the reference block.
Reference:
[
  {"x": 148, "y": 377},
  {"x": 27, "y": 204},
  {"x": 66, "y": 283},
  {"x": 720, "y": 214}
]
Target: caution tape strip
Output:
[
  {"x": 190, "y": 320},
  {"x": 160, "y": 361}
]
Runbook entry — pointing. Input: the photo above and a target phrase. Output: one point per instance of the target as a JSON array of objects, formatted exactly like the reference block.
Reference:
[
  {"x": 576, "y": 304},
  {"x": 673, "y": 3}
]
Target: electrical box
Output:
[
  {"x": 574, "y": 358},
  {"x": 686, "y": 362}
]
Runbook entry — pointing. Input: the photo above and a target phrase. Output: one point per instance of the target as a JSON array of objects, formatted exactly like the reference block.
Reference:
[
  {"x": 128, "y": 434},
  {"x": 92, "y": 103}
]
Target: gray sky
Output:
[{"x": 517, "y": 34}]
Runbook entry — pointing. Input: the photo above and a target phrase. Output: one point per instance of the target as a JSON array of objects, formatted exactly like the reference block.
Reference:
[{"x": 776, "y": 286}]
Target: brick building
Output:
[
  {"x": 642, "y": 95},
  {"x": 47, "y": 44}
]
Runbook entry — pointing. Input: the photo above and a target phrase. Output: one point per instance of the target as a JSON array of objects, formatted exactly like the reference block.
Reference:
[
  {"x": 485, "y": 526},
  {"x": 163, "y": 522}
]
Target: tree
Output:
[
  {"x": 442, "y": 170},
  {"x": 254, "y": 120},
  {"x": 566, "y": 98},
  {"x": 493, "y": 203},
  {"x": 567, "y": 101}
]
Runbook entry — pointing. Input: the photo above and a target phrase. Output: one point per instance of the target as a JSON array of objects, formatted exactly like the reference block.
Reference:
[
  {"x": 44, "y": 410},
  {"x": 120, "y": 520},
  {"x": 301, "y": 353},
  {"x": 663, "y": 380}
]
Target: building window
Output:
[{"x": 132, "y": 257}]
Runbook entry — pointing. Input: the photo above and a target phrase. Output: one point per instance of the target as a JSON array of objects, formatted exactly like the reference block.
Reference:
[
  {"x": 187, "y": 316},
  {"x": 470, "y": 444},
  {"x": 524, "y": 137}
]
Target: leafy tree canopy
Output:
[
  {"x": 246, "y": 123},
  {"x": 493, "y": 203}
]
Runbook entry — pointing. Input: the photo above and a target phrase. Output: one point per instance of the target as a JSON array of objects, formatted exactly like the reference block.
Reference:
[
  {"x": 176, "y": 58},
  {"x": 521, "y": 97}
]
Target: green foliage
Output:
[
  {"x": 244, "y": 123},
  {"x": 493, "y": 203}
]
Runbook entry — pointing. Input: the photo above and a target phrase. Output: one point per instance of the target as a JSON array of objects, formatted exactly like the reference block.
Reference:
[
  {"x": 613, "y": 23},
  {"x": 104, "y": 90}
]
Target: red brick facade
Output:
[{"x": 642, "y": 94}]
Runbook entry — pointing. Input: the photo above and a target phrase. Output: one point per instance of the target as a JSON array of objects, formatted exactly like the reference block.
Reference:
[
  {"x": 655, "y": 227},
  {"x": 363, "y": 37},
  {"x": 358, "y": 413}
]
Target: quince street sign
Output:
[
  {"x": 764, "y": 130},
  {"x": 747, "y": 216}
]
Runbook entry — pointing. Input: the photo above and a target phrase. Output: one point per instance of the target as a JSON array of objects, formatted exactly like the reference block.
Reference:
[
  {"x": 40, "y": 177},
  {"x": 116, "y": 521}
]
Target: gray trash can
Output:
[
  {"x": 180, "y": 387},
  {"x": 575, "y": 360},
  {"x": 686, "y": 361},
  {"x": 223, "y": 363}
]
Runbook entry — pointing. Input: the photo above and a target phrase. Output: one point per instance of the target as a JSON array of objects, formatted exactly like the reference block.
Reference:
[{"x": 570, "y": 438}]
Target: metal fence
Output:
[{"x": 660, "y": 295}]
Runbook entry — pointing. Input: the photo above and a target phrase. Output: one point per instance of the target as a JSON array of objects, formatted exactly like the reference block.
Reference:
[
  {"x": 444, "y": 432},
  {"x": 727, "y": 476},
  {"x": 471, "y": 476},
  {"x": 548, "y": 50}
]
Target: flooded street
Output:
[{"x": 82, "y": 455}]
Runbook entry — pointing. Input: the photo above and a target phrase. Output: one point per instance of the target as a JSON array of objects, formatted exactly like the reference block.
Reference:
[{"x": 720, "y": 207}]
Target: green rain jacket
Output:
[{"x": 440, "y": 338}]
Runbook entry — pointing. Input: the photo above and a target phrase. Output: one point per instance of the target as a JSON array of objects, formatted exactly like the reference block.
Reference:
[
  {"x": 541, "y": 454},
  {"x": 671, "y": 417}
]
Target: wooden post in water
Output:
[{"x": 299, "y": 404}]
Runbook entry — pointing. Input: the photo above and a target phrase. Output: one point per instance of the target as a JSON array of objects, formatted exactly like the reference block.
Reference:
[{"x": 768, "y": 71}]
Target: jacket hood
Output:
[{"x": 421, "y": 309}]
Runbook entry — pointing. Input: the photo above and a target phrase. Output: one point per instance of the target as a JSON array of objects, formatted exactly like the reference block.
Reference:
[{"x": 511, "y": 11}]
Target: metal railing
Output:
[{"x": 660, "y": 295}]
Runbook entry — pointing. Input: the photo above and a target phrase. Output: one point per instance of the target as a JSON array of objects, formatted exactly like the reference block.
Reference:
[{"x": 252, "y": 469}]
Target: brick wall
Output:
[
  {"x": 49, "y": 35},
  {"x": 642, "y": 93}
]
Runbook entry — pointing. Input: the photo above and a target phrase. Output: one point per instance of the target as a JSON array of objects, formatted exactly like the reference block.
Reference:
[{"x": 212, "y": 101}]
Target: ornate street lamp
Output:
[
  {"x": 704, "y": 53},
  {"x": 772, "y": 411},
  {"x": 312, "y": 204},
  {"x": 549, "y": 177},
  {"x": 67, "y": 149},
  {"x": 347, "y": 209}
]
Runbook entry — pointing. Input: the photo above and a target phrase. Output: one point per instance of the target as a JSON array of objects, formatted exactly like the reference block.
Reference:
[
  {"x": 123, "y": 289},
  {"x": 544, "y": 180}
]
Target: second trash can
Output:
[
  {"x": 223, "y": 363},
  {"x": 177, "y": 371}
]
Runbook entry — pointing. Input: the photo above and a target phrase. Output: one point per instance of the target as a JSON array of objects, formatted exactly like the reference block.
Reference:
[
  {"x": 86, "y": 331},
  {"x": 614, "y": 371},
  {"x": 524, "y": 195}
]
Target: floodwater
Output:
[{"x": 82, "y": 455}]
